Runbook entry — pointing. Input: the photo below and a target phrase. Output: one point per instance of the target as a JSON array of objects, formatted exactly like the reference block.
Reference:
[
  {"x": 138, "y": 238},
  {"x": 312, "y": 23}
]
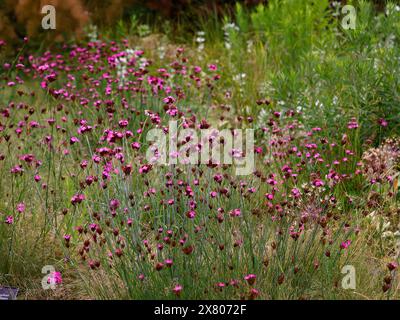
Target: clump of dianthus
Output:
[{"x": 382, "y": 163}]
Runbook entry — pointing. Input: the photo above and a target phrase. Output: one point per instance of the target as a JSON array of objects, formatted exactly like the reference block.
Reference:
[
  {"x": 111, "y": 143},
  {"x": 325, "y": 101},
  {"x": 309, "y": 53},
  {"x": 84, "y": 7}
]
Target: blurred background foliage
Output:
[
  {"x": 23, "y": 17},
  {"x": 19, "y": 18}
]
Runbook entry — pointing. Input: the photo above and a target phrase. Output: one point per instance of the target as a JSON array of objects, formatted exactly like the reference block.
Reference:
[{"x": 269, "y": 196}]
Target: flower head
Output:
[
  {"x": 250, "y": 278},
  {"x": 9, "y": 220},
  {"x": 177, "y": 290},
  {"x": 54, "y": 278},
  {"x": 345, "y": 244}
]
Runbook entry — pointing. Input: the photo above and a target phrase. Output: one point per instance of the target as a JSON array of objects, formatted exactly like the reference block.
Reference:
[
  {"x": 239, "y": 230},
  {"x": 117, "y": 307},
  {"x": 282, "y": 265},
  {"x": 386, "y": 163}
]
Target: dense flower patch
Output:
[{"x": 73, "y": 166}]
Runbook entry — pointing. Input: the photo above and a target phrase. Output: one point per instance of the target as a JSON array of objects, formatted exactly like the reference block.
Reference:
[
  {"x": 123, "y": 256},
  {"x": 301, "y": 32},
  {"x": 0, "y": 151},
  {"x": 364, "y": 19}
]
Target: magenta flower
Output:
[
  {"x": 345, "y": 244},
  {"x": 234, "y": 283},
  {"x": 296, "y": 193},
  {"x": 169, "y": 100},
  {"x": 114, "y": 204},
  {"x": 123, "y": 123},
  {"x": 382, "y": 122},
  {"x": 250, "y": 278},
  {"x": 129, "y": 222},
  {"x": 17, "y": 170},
  {"x": 318, "y": 183},
  {"x": 54, "y": 278},
  {"x": 144, "y": 169},
  {"x": 254, "y": 293},
  {"x": 73, "y": 140},
  {"x": 218, "y": 178},
  {"x": 159, "y": 266},
  {"x": 177, "y": 290},
  {"x": 9, "y": 220},
  {"x": 352, "y": 124},
  {"x": 212, "y": 67},
  {"x": 191, "y": 214},
  {"x": 269, "y": 196},
  {"x": 197, "y": 69},
  {"x": 235, "y": 213},
  {"x": 168, "y": 262},
  {"x": 21, "y": 207},
  {"x": 392, "y": 265},
  {"x": 77, "y": 198},
  {"x": 135, "y": 145}
]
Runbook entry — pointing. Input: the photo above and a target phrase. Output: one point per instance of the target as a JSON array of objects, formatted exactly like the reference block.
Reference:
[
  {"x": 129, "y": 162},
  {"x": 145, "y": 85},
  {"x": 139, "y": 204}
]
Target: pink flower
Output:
[
  {"x": 144, "y": 169},
  {"x": 250, "y": 278},
  {"x": 235, "y": 213},
  {"x": 9, "y": 220},
  {"x": 168, "y": 262},
  {"x": 77, "y": 198},
  {"x": 269, "y": 196},
  {"x": 197, "y": 69},
  {"x": 17, "y": 170},
  {"x": 234, "y": 283},
  {"x": 114, "y": 204},
  {"x": 218, "y": 178},
  {"x": 21, "y": 207},
  {"x": 392, "y": 265},
  {"x": 352, "y": 124},
  {"x": 135, "y": 145},
  {"x": 345, "y": 244},
  {"x": 130, "y": 222},
  {"x": 212, "y": 67},
  {"x": 73, "y": 140},
  {"x": 54, "y": 278},
  {"x": 159, "y": 266},
  {"x": 191, "y": 214},
  {"x": 254, "y": 293},
  {"x": 296, "y": 193},
  {"x": 177, "y": 290},
  {"x": 318, "y": 183},
  {"x": 172, "y": 112},
  {"x": 382, "y": 122},
  {"x": 123, "y": 123},
  {"x": 169, "y": 100}
]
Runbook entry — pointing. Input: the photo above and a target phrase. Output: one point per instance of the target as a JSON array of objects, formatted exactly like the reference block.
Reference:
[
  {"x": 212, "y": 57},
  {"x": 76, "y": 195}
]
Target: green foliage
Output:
[{"x": 306, "y": 58}]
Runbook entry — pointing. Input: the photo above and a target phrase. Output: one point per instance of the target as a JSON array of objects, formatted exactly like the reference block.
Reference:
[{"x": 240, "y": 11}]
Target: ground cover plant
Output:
[{"x": 316, "y": 218}]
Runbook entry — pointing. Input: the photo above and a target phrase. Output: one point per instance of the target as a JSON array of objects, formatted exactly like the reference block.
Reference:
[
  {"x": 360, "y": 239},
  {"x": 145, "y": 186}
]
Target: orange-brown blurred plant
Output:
[
  {"x": 71, "y": 16},
  {"x": 19, "y": 18}
]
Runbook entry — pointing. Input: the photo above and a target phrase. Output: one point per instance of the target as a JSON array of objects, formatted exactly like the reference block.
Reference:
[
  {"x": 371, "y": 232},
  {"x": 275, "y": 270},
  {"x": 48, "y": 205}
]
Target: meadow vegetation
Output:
[{"x": 77, "y": 191}]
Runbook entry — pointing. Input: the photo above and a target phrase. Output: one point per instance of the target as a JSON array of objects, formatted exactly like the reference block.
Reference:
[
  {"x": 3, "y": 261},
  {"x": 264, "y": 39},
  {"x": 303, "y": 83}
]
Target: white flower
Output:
[
  {"x": 387, "y": 234},
  {"x": 92, "y": 33}
]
